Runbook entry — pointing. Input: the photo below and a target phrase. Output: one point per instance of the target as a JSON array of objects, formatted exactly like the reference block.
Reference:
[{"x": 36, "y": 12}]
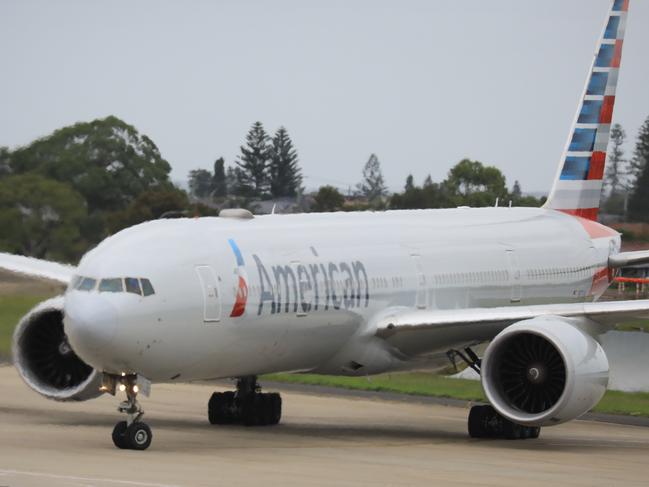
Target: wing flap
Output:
[{"x": 32, "y": 267}]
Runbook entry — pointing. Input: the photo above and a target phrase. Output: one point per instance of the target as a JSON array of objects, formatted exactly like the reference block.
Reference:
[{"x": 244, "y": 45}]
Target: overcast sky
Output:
[{"x": 421, "y": 83}]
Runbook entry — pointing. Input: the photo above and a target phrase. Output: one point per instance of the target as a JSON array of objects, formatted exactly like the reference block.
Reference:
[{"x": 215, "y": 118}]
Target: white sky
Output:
[{"x": 421, "y": 83}]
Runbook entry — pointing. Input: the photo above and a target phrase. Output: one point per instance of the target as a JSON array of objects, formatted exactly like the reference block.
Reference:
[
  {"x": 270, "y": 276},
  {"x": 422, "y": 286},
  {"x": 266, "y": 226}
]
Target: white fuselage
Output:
[{"x": 308, "y": 288}]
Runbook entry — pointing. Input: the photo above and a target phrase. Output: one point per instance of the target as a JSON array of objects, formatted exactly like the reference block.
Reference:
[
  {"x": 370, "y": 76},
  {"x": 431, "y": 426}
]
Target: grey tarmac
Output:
[{"x": 322, "y": 440}]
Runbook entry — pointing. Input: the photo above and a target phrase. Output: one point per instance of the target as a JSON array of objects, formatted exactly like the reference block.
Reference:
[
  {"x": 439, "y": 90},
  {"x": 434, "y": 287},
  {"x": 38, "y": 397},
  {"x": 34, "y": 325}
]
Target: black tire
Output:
[
  {"x": 252, "y": 410},
  {"x": 276, "y": 407},
  {"x": 534, "y": 432},
  {"x": 214, "y": 408},
  {"x": 513, "y": 431},
  {"x": 477, "y": 421},
  {"x": 220, "y": 408},
  {"x": 138, "y": 436},
  {"x": 119, "y": 435}
]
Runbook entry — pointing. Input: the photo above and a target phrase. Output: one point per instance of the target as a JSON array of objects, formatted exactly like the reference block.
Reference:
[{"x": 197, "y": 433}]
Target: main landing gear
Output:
[
  {"x": 485, "y": 421},
  {"x": 131, "y": 434},
  {"x": 248, "y": 405}
]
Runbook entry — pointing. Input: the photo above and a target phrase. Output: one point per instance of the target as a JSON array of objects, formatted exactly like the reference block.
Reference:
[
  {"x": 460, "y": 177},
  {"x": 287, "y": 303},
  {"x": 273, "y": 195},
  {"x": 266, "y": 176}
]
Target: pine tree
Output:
[
  {"x": 253, "y": 177},
  {"x": 285, "y": 177},
  {"x": 373, "y": 186},
  {"x": 219, "y": 183},
  {"x": 615, "y": 170},
  {"x": 410, "y": 183},
  {"x": 231, "y": 180},
  {"x": 639, "y": 201},
  {"x": 428, "y": 182},
  {"x": 516, "y": 191},
  {"x": 200, "y": 183}
]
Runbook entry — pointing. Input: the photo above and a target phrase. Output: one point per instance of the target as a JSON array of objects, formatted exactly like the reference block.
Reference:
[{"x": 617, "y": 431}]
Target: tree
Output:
[
  {"x": 107, "y": 161},
  {"x": 428, "y": 181},
  {"x": 476, "y": 185},
  {"x": 328, "y": 198},
  {"x": 285, "y": 177},
  {"x": 149, "y": 205},
  {"x": 252, "y": 176},
  {"x": 615, "y": 171},
  {"x": 231, "y": 180},
  {"x": 200, "y": 183},
  {"x": 41, "y": 218},
  {"x": 410, "y": 183},
  {"x": 219, "y": 182},
  {"x": 516, "y": 191},
  {"x": 639, "y": 200},
  {"x": 5, "y": 160},
  {"x": 372, "y": 186}
]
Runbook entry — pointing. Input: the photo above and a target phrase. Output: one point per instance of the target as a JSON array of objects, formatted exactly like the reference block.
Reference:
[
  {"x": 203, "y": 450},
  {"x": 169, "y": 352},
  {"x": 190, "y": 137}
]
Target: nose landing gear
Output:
[
  {"x": 248, "y": 405},
  {"x": 131, "y": 434}
]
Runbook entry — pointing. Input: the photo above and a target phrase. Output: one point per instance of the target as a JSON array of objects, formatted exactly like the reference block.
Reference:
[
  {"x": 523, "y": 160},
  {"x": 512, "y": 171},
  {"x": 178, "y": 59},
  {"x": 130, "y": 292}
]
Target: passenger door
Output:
[
  {"x": 514, "y": 275},
  {"x": 211, "y": 298},
  {"x": 421, "y": 294}
]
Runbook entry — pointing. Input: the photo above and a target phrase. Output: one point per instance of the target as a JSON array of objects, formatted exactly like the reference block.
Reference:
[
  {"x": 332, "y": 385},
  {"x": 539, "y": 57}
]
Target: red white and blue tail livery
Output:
[{"x": 578, "y": 183}]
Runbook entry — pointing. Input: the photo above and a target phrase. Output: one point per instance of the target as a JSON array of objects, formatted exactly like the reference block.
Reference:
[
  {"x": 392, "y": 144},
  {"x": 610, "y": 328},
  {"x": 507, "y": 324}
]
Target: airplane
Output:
[{"x": 354, "y": 294}]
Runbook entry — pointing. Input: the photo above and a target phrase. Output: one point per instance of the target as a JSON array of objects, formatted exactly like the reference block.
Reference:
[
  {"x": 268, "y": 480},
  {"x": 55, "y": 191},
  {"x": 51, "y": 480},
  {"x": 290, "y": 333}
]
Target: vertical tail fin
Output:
[{"x": 578, "y": 184}]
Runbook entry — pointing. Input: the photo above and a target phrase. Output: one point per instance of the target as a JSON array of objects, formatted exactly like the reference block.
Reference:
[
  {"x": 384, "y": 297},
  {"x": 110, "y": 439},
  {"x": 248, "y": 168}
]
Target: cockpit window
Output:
[
  {"x": 87, "y": 284},
  {"x": 147, "y": 288},
  {"x": 74, "y": 283},
  {"x": 132, "y": 285},
  {"x": 113, "y": 285}
]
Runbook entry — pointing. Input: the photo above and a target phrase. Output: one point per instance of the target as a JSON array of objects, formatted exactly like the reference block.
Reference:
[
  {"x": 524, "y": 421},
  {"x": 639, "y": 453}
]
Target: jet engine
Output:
[
  {"x": 45, "y": 360},
  {"x": 544, "y": 371}
]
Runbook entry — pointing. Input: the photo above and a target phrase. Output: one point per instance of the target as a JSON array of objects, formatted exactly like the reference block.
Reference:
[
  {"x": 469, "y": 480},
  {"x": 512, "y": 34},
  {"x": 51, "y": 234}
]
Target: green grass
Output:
[
  {"x": 12, "y": 308},
  {"x": 424, "y": 384},
  {"x": 634, "y": 325}
]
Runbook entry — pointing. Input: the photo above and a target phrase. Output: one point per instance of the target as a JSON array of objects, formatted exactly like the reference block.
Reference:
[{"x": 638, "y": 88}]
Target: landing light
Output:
[
  {"x": 136, "y": 389},
  {"x": 122, "y": 387}
]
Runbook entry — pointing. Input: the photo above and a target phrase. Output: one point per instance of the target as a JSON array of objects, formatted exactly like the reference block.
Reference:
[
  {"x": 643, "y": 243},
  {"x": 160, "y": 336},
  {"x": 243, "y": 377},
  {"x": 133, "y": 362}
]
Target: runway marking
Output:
[{"x": 85, "y": 479}]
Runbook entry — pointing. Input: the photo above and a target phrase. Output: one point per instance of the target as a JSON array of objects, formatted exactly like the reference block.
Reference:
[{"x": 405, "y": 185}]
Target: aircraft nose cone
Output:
[{"x": 90, "y": 322}]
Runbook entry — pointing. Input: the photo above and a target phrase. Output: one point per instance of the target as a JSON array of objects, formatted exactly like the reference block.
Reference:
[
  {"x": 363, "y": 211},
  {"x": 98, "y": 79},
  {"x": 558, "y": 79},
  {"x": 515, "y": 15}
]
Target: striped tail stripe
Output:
[{"x": 578, "y": 185}]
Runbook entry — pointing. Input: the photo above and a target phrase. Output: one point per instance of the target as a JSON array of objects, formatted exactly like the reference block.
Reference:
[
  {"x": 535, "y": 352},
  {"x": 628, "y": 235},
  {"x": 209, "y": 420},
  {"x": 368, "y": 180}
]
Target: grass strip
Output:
[{"x": 424, "y": 384}]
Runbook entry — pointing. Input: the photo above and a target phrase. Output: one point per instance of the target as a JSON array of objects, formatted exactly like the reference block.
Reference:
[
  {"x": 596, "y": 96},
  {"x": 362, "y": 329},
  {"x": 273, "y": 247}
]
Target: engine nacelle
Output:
[
  {"x": 45, "y": 360},
  {"x": 544, "y": 371}
]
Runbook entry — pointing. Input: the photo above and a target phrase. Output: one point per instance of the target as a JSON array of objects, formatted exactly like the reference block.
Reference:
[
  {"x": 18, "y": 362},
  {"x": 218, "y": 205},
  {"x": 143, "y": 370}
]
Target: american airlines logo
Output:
[{"x": 303, "y": 288}]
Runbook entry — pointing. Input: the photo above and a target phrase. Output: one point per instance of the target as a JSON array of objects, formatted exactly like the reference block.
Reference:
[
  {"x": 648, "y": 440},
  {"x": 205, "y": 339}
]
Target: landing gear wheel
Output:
[
  {"x": 477, "y": 422},
  {"x": 119, "y": 435},
  {"x": 221, "y": 408},
  {"x": 485, "y": 422},
  {"x": 138, "y": 436},
  {"x": 247, "y": 406},
  {"x": 276, "y": 407},
  {"x": 131, "y": 434}
]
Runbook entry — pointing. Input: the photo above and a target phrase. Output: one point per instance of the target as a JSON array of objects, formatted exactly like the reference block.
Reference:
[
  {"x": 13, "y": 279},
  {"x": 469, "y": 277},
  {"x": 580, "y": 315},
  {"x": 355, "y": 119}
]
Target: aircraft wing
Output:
[
  {"x": 32, "y": 267},
  {"x": 625, "y": 259},
  {"x": 419, "y": 331}
]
